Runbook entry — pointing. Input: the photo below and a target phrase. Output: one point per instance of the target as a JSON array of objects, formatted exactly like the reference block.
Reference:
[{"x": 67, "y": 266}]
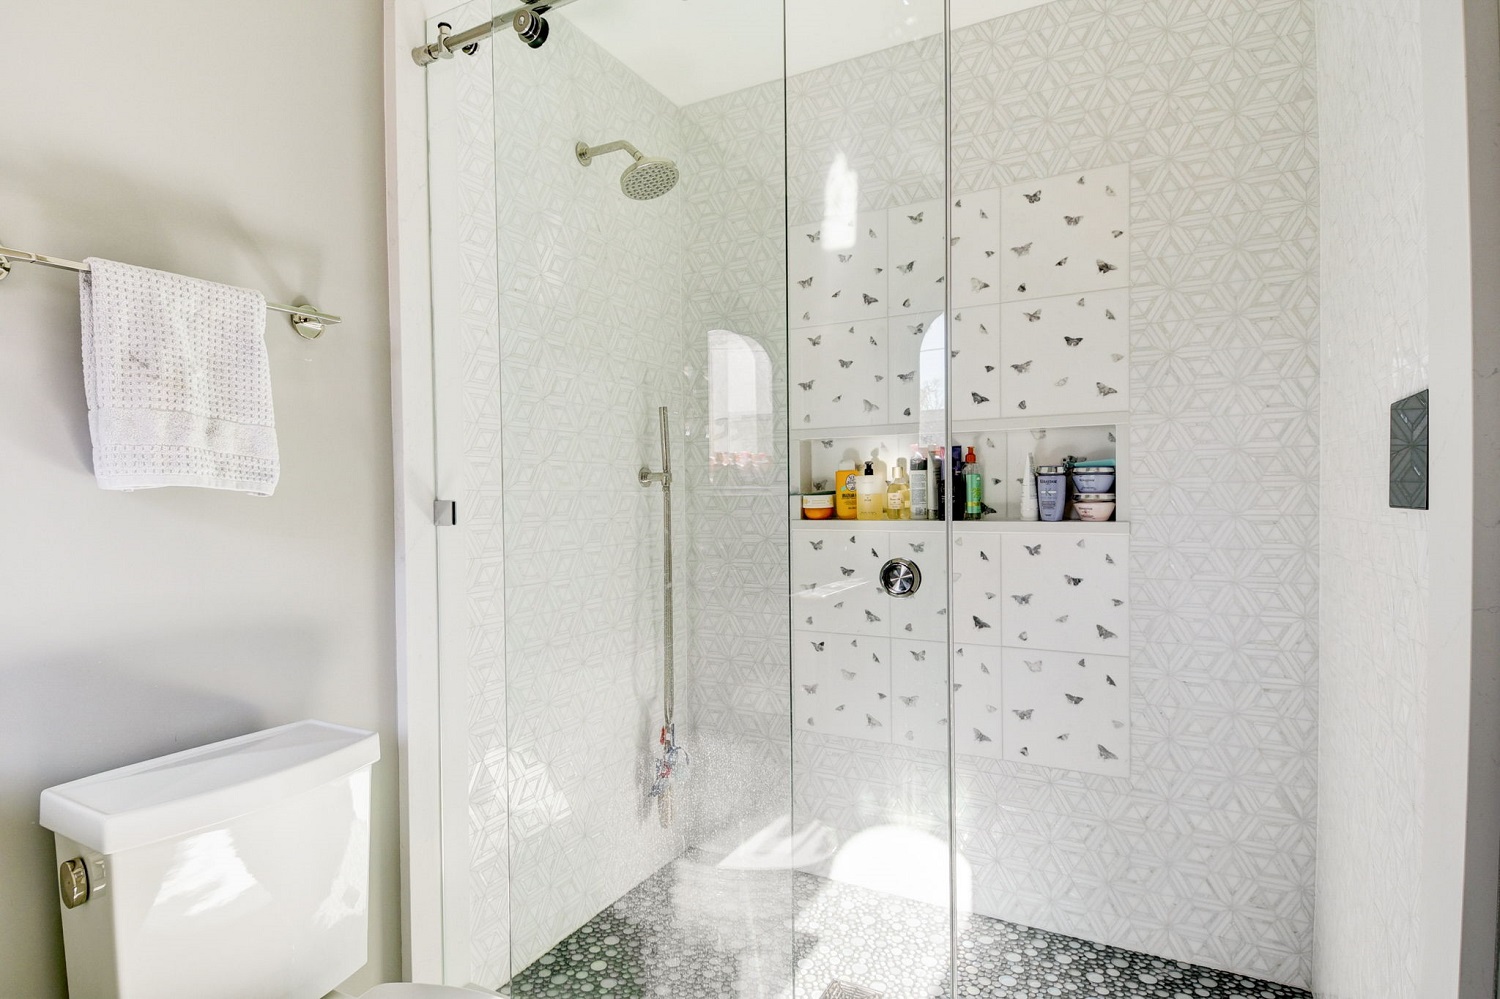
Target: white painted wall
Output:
[{"x": 235, "y": 142}]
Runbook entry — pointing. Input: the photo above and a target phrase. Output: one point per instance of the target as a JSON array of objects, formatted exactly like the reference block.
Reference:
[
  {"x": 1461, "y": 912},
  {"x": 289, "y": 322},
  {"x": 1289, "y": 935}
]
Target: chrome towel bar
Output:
[{"x": 307, "y": 321}]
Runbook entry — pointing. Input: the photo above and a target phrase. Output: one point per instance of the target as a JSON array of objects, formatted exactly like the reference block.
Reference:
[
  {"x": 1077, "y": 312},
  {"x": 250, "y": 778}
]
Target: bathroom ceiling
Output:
[{"x": 692, "y": 50}]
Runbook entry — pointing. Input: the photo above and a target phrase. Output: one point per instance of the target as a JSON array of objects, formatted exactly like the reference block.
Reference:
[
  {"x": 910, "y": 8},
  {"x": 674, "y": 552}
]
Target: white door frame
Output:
[
  {"x": 417, "y": 687},
  {"x": 1461, "y": 761}
]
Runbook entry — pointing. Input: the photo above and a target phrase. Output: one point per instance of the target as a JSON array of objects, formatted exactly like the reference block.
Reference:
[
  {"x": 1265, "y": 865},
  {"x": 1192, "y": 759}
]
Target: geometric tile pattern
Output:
[
  {"x": 1373, "y": 657},
  {"x": 849, "y": 941}
]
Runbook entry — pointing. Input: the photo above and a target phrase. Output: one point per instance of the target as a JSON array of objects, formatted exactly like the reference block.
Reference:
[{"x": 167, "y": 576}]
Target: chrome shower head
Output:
[{"x": 648, "y": 177}]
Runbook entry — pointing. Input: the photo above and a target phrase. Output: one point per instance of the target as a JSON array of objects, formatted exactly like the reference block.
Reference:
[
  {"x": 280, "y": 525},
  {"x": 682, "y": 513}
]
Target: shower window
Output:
[{"x": 741, "y": 415}]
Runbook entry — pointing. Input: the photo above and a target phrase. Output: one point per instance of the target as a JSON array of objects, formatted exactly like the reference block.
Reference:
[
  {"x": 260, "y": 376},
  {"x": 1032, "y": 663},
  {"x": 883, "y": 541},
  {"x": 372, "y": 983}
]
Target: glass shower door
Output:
[{"x": 703, "y": 220}]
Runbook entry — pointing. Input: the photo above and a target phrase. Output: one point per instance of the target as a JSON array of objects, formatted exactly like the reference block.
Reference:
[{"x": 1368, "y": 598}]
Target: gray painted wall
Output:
[{"x": 136, "y": 624}]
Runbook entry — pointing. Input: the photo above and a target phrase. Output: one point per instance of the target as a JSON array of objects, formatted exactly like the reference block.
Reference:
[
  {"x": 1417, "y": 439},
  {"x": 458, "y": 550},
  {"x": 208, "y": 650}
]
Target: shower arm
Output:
[
  {"x": 586, "y": 152},
  {"x": 646, "y": 477},
  {"x": 468, "y": 40}
]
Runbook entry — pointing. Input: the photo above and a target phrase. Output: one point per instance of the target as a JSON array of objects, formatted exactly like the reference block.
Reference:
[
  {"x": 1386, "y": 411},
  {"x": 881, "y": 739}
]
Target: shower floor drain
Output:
[{"x": 843, "y": 990}]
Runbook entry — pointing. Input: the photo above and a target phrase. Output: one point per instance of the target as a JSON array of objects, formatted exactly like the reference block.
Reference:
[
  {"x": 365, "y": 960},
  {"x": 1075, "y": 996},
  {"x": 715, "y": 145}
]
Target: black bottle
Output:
[{"x": 958, "y": 488}]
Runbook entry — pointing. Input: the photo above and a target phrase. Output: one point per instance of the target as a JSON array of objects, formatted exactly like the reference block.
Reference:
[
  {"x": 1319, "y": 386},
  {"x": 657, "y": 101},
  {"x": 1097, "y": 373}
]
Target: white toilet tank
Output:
[{"x": 238, "y": 870}]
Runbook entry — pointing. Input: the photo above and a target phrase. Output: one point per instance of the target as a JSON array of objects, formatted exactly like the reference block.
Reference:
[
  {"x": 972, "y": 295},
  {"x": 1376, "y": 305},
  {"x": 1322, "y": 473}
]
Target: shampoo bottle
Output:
[
  {"x": 974, "y": 487},
  {"x": 871, "y": 491},
  {"x": 846, "y": 498},
  {"x": 919, "y": 483},
  {"x": 1029, "y": 509}
]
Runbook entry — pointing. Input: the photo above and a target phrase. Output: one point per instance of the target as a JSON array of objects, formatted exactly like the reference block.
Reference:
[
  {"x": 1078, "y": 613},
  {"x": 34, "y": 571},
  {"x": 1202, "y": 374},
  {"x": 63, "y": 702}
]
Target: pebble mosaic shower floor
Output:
[{"x": 696, "y": 931}]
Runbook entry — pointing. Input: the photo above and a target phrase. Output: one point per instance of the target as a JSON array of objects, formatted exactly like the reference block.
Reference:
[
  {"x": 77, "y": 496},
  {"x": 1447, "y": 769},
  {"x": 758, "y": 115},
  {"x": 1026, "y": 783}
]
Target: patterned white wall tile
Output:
[
  {"x": 1066, "y": 235},
  {"x": 977, "y": 353},
  {"x": 843, "y": 685},
  {"x": 919, "y": 694},
  {"x": 923, "y": 616},
  {"x": 834, "y": 582},
  {"x": 979, "y": 700},
  {"x": 977, "y": 611},
  {"x": 835, "y": 280},
  {"x": 840, "y": 375},
  {"x": 1065, "y": 592},
  {"x": 916, "y": 377},
  {"x": 1066, "y": 355},
  {"x": 1067, "y": 711},
  {"x": 975, "y": 249},
  {"x": 918, "y": 265}
]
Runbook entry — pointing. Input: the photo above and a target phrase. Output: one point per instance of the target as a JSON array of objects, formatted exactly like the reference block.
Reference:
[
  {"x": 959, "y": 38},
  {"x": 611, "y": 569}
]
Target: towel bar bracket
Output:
[{"x": 308, "y": 327}]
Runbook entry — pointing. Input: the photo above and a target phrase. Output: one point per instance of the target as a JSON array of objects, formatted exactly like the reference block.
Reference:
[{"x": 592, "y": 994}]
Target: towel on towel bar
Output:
[{"x": 177, "y": 381}]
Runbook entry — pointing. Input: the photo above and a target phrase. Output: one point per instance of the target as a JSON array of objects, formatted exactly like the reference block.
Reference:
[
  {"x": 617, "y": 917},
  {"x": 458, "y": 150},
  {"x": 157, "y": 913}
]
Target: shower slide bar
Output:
[
  {"x": 672, "y": 754},
  {"x": 646, "y": 477},
  {"x": 307, "y": 321},
  {"x": 525, "y": 19}
]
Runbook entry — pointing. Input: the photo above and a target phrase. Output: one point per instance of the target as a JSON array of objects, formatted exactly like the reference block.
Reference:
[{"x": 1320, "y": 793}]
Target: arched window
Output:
[{"x": 741, "y": 420}]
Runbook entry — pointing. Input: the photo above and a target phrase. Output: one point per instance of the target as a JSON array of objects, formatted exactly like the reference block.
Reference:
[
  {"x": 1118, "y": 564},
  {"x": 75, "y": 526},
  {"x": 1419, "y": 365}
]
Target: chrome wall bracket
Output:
[{"x": 310, "y": 324}]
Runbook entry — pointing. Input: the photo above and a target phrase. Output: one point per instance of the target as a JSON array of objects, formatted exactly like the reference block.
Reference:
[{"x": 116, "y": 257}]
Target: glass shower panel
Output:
[
  {"x": 868, "y": 327},
  {"x": 610, "y": 232}
]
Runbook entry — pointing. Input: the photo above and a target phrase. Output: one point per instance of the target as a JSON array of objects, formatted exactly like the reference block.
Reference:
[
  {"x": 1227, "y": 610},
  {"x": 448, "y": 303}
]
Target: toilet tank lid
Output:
[{"x": 197, "y": 788}]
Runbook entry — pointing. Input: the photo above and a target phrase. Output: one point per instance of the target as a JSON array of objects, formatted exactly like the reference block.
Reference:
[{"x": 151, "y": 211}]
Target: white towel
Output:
[{"x": 177, "y": 381}]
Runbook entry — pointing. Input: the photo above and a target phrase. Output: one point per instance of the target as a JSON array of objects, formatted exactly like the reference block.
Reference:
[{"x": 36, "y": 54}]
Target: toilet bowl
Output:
[{"x": 238, "y": 870}]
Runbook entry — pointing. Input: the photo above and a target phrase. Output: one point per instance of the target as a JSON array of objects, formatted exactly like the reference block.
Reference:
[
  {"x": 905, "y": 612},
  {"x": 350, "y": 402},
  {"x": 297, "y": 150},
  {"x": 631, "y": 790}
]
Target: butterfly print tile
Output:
[
  {"x": 832, "y": 283},
  {"x": 844, "y": 689},
  {"x": 980, "y": 701},
  {"x": 976, "y": 368},
  {"x": 919, "y": 688},
  {"x": 975, "y": 249},
  {"x": 1049, "y": 695},
  {"x": 839, "y": 375},
  {"x": 916, "y": 258},
  {"x": 1076, "y": 236},
  {"x": 833, "y": 581},
  {"x": 977, "y": 602},
  {"x": 916, "y": 369},
  {"x": 1057, "y": 363},
  {"x": 1062, "y": 615}
]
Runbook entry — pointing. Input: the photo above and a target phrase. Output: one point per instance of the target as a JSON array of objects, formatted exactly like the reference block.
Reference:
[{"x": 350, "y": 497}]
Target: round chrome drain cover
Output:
[{"x": 900, "y": 577}]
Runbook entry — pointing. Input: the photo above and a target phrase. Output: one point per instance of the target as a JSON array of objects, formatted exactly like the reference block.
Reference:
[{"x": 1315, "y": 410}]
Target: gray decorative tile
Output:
[{"x": 1409, "y": 423}]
